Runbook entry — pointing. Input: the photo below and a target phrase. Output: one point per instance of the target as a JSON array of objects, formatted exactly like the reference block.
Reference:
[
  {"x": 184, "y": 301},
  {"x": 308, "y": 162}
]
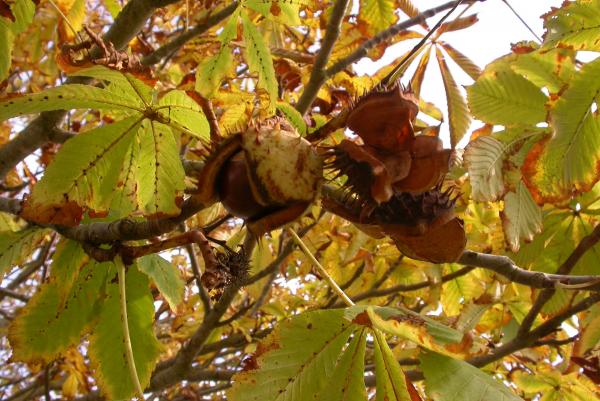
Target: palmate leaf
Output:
[
  {"x": 417, "y": 79},
  {"x": 458, "y": 113},
  {"x": 575, "y": 24},
  {"x": 65, "y": 307},
  {"x": 506, "y": 98},
  {"x": 296, "y": 361},
  {"x": 84, "y": 172},
  {"x": 484, "y": 158},
  {"x": 165, "y": 276},
  {"x": 23, "y": 11},
  {"x": 211, "y": 71},
  {"x": 378, "y": 14},
  {"x": 448, "y": 379},
  {"x": 567, "y": 163},
  {"x": 457, "y": 24},
  {"x": 521, "y": 217},
  {"x": 16, "y": 247},
  {"x": 107, "y": 344},
  {"x": 259, "y": 60},
  {"x": 282, "y": 11}
]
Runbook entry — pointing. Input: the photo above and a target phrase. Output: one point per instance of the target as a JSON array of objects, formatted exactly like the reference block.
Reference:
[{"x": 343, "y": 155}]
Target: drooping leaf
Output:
[
  {"x": 448, "y": 379},
  {"x": 484, "y": 157},
  {"x": 212, "y": 70},
  {"x": 378, "y": 14},
  {"x": 390, "y": 380},
  {"x": 160, "y": 174},
  {"x": 73, "y": 96},
  {"x": 112, "y": 367},
  {"x": 575, "y": 24},
  {"x": 419, "y": 75},
  {"x": 183, "y": 113},
  {"x": 61, "y": 312},
  {"x": 259, "y": 60},
  {"x": 16, "y": 247},
  {"x": 293, "y": 116},
  {"x": 165, "y": 276},
  {"x": 22, "y": 11},
  {"x": 521, "y": 217},
  {"x": 411, "y": 326},
  {"x": 458, "y": 113},
  {"x": 504, "y": 97},
  {"x": 296, "y": 361},
  {"x": 465, "y": 63},
  {"x": 567, "y": 164},
  {"x": 83, "y": 175}
]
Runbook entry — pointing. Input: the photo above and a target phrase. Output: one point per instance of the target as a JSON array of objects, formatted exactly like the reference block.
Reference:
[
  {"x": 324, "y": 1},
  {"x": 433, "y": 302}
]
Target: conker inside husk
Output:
[{"x": 263, "y": 172}]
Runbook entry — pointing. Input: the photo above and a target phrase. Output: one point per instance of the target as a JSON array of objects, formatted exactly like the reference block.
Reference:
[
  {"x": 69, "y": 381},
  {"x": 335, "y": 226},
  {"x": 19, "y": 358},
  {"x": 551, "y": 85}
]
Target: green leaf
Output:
[
  {"x": 67, "y": 97},
  {"x": 506, "y": 98},
  {"x": 378, "y": 14},
  {"x": 521, "y": 217},
  {"x": 448, "y": 379},
  {"x": 567, "y": 164},
  {"x": 296, "y": 361},
  {"x": 259, "y": 60},
  {"x": 84, "y": 174},
  {"x": 459, "y": 291},
  {"x": 9, "y": 222},
  {"x": 390, "y": 381},
  {"x": 212, "y": 70},
  {"x": 113, "y": 7},
  {"x": 62, "y": 310},
  {"x": 347, "y": 380},
  {"x": 107, "y": 344},
  {"x": 458, "y": 114},
  {"x": 23, "y": 11},
  {"x": 552, "y": 69},
  {"x": 16, "y": 247},
  {"x": 575, "y": 24},
  {"x": 159, "y": 174},
  {"x": 484, "y": 158},
  {"x": 293, "y": 116},
  {"x": 411, "y": 326},
  {"x": 577, "y": 129},
  {"x": 165, "y": 276},
  {"x": 123, "y": 84},
  {"x": 184, "y": 114}
]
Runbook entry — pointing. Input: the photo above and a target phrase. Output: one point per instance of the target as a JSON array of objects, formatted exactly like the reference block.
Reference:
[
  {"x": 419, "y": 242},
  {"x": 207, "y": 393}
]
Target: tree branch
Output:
[
  {"x": 171, "y": 47},
  {"x": 318, "y": 74}
]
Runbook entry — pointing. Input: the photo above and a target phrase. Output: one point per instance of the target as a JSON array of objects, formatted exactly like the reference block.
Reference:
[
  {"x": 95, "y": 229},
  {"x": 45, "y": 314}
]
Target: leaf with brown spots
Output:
[{"x": 299, "y": 359}]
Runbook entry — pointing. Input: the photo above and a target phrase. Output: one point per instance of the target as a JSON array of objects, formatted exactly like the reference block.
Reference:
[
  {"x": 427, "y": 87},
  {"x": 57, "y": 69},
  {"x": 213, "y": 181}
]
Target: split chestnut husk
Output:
[{"x": 267, "y": 175}]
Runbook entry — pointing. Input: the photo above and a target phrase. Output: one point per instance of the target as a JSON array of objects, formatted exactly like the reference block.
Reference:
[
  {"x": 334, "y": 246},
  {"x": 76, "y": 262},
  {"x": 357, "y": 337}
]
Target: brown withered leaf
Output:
[
  {"x": 66, "y": 214},
  {"x": 384, "y": 119},
  {"x": 441, "y": 244}
]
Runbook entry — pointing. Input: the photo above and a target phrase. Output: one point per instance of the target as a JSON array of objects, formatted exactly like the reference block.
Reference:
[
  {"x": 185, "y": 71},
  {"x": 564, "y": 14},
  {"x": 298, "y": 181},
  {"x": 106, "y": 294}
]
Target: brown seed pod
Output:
[
  {"x": 384, "y": 119},
  {"x": 268, "y": 175}
]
